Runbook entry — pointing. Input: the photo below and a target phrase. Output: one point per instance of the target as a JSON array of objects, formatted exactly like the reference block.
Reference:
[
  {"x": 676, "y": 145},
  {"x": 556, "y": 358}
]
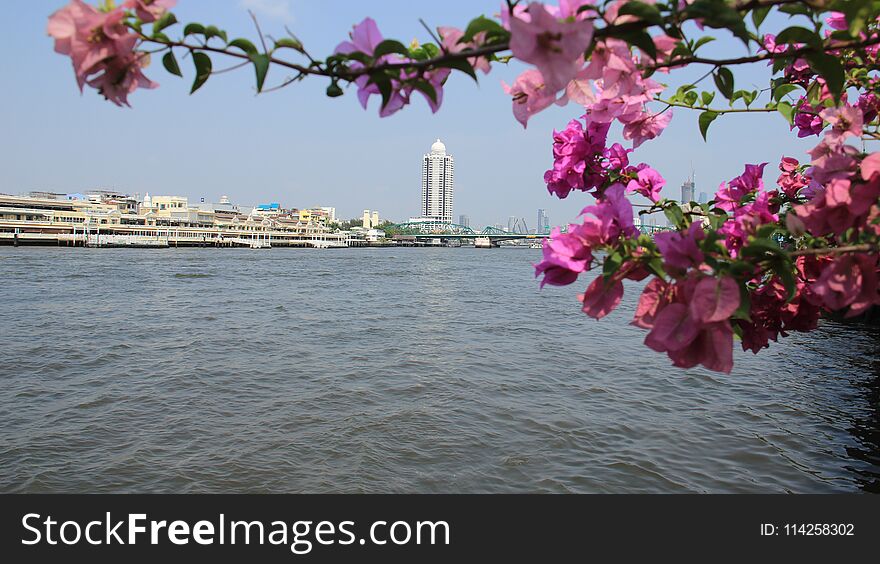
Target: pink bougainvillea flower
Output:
[
  {"x": 870, "y": 165},
  {"x": 851, "y": 281},
  {"x": 121, "y": 76},
  {"x": 674, "y": 329},
  {"x": 530, "y": 95},
  {"x": 566, "y": 255},
  {"x": 150, "y": 10},
  {"x": 101, "y": 49},
  {"x": 614, "y": 213},
  {"x": 648, "y": 183},
  {"x": 715, "y": 299},
  {"x": 365, "y": 37},
  {"x": 646, "y": 127},
  {"x": 654, "y": 298},
  {"x": 555, "y": 47},
  {"x": 791, "y": 181},
  {"x": 451, "y": 41},
  {"x": 845, "y": 122},
  {"x": 681, "y": 250},
  {"x": 729, "y": 196},
  {"x": 602, "y": 297}
]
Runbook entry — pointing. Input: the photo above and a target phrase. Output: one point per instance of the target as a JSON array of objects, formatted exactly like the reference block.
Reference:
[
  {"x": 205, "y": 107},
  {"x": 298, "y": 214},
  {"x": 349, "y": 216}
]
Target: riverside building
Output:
[
  {"x": 160, "y": 221},
  {"x": 438, "y": 184}
]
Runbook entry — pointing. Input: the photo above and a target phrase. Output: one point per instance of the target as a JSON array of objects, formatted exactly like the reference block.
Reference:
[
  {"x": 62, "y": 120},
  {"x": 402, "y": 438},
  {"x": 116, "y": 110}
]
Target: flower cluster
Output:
[{"x": 101, "y": 45}]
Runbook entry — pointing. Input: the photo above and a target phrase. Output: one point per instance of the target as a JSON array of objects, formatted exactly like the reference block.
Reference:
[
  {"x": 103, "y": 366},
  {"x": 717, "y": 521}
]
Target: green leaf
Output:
[
  {"x": 461, "y": 65},
  {"x": 719, "y": 14},
  {"x": 383, "y": 83},
  {"x": 783, "y": 89},
  {"x": 702, "y": 41},
  {"x": 795, "y": 34},
  {"x": 749, "y": 97},
  {"x": 169, "y": 61},
  {"x": 690, "y": 98},
  {"x": 166, "y": 20},
  {"x": 761, "y": 248},
  {"x": 641, "y": 39},
  {"x": 390, "y": 46},
  {"x": 194, "y": 29},
  {"x": 674, "y": 214},
  {"x": 612, "y": 264},
  {"x": 645, "y": 12},
  {"x": 706, "y": 119},
  {"x": 795, "y": 9},
  {"x": 481, "y": 24},
  {"x": 724, "y": 81},
  {"x": 707, "y": 98},
  {"x": 759, "y": 15},
  {"x": 830, "y": 68},
  {"x": 261, "y": 66},
  {"x": 289, "y": 43},
  {"x": 204, "y": 67},
  {"x": 427, "y": 88},
  {"x": 214, "y": 31},
  {"x": 244, "y": 45},
  {"x": 785, "y": 271},
  {"x": 786, "y": 110}
]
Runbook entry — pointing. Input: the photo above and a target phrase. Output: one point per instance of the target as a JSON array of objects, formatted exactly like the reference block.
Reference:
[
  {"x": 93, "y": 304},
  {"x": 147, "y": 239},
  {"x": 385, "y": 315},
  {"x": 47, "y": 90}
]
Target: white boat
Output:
[{"x": 482, "y": 242}]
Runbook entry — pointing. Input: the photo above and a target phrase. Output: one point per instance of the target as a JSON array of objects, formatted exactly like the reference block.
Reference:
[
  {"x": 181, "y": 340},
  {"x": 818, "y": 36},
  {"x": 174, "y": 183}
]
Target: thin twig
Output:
[{"x": 259, "y": 31}]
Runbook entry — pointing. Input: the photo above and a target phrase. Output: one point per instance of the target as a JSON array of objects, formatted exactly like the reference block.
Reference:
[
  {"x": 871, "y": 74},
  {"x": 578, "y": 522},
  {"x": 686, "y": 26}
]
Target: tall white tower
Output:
[{"x": 438, "y": 184}]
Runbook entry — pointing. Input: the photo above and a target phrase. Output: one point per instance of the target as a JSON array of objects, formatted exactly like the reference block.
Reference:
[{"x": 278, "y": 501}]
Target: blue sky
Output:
[{"x": 302, "y": 149}]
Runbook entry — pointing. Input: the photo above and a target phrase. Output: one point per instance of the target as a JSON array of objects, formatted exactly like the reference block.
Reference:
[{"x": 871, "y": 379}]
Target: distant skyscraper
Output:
[
  {"x": 687, "y": 190},
  {"x": 438, "y": 184},
  {"x": 543, "y": 225},
  {"x": 511, "y": 224},
  {"x": 703, "y": 197},
  {"x": 464, "y": 221}
]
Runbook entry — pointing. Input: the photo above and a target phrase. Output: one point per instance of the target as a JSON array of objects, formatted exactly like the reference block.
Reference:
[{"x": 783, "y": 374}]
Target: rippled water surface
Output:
[{"x": 395, "y": 370}]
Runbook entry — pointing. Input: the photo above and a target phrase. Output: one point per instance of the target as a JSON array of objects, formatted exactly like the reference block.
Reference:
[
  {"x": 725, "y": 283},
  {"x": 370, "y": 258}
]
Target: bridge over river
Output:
[{"x": 423, "y": 231}]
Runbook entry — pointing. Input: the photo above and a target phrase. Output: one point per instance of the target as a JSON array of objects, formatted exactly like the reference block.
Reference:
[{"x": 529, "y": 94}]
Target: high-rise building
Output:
[
  {"x": 703, "y": 198},
  {"x": 687, "y": 190},
  {"x": 543, "y": 225},
  {"x": 371, "y": 219},
  {"x": 511, "y": 224},
  {"x": 438, "y": 184},
  {"x": 464, "y": 221}
]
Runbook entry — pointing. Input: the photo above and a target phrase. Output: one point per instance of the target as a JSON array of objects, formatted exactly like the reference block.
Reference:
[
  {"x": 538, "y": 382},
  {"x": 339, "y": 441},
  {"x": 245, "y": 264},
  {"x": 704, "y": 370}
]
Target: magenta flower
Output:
[
  {"x": 566, "y": 255},
  {"x": 870, "y": 166},
  {"x": 614, "y": 213},
  {"x": 646, "y": 127},
  {"x": 845, "y": 122},
  {"x": 555, "y": 47},
  {"x": 687, "y": 341},
  {"x": 715, "y": 299},
  {"x": 654, "y": 298},
  {"x": 673, "y": 329},
  {"x": 681, "y": 250},
  {"x": 729, "y": 196},
  {"x": 150, "y": 10},
  {"x": 851, "y": 281},
  {"x": 602, "y": 297},
  {"x": 648, "y": 183},
  {"x": 451, "y": 41},
  {"x": 530, "y": 95},
  {"x": 839, "y": 207},
  {"x": 120, "y": 77}
]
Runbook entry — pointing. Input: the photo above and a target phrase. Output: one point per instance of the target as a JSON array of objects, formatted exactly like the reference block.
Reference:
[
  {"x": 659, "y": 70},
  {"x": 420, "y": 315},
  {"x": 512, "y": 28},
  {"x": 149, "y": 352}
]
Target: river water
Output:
[{"x": 395, "y": 370}]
